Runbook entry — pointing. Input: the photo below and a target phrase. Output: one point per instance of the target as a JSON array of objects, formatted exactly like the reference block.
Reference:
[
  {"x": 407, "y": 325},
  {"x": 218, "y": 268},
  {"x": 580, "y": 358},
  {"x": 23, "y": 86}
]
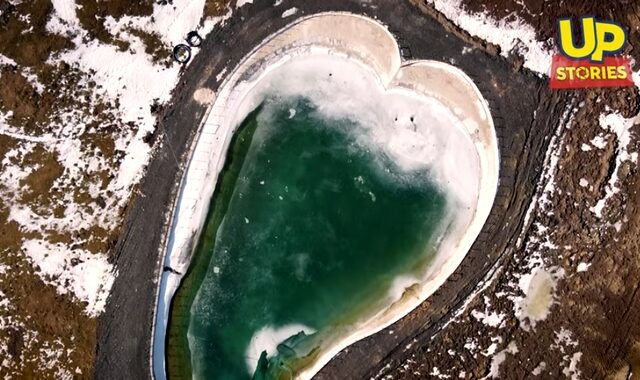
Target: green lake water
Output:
[{"x": 308, "y": 228}]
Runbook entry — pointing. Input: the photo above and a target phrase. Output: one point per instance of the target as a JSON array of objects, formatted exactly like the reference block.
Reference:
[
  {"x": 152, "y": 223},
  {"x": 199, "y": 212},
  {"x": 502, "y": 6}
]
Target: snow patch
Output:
[
  {"x": 538, "y": 287},
  {"x": 130, "y": 77},
  {"x": 221, "y": 75},
  {"x": 583, "y": 267},
  {"x": 204, "y": 96},
  {"x": 490, "y": 319},
  {"x": 572, "y": 371},
  {"x": 620, "y": 126},
  {"x": 4, "y": 60},
  {"x": 87, "y": 276},
  {"x": 539, "y": 369},
  {"x": 499, "y": 358},
  {"x": 599, "y": 142},
  {"x": 243, "y": 2},
  {"x": 170, "y": 22},
  {"x": 511, "y": 35},
  {"x": 289, "y": 12}
]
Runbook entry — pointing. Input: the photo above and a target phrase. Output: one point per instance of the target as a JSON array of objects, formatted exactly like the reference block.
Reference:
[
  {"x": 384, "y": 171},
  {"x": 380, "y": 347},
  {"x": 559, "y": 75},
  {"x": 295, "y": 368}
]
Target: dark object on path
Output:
[
  {"x": 405, "y": 52},
  {"x": 194, "y": 39},
  {"x": 182, "y": 53},
  {"x": 169, "y": 269}
]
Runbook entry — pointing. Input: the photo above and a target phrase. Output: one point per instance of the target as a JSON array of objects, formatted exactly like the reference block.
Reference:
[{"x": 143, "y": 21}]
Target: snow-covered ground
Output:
[
  {"x": 135, "y": 81},
  {"x": 614, "y": 123},
  {"x": 93, "y": 187},
  {"x": 512, "y": 35}
]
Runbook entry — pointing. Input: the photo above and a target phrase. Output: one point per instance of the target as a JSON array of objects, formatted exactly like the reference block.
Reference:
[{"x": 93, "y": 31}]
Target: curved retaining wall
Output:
[{"x": 370, "y": 44}]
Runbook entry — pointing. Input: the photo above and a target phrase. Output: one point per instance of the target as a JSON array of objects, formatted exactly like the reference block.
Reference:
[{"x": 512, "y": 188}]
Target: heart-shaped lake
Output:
[{"x": 350, "y": 187}]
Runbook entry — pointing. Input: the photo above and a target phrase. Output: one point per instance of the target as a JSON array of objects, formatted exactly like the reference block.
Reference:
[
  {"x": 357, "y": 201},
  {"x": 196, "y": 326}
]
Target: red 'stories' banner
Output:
[{"x": 568, "y": 73}]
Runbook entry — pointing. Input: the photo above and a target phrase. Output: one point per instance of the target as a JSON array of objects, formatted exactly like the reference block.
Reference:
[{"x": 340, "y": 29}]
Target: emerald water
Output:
[{"x": 309, "y": 227}]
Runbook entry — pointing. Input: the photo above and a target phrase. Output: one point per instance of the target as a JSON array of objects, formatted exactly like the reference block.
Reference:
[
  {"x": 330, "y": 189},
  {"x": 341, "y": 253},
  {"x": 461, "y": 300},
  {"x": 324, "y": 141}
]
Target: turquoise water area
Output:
[{"x": 318, "y": 225}]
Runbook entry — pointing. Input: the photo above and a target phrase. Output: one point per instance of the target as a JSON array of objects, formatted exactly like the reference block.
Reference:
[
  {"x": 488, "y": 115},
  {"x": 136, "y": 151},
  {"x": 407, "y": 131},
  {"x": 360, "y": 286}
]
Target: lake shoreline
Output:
[
  {"x": 240, "y": 83},
  {"x": 124, "y": 332}
]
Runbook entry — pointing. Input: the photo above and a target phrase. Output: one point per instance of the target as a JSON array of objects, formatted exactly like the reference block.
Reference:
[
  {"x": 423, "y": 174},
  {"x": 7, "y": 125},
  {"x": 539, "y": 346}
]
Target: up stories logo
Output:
[{"x": 597, "y": 62}]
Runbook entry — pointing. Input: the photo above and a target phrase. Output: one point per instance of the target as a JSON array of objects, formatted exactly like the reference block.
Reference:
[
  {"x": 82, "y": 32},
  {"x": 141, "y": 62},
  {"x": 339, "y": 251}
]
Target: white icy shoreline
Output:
[{"x": 371, "y": 46}]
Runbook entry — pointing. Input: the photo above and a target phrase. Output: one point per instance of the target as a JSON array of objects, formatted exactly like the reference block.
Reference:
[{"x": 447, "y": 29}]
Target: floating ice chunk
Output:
[{"x": 268, "y": 338}]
